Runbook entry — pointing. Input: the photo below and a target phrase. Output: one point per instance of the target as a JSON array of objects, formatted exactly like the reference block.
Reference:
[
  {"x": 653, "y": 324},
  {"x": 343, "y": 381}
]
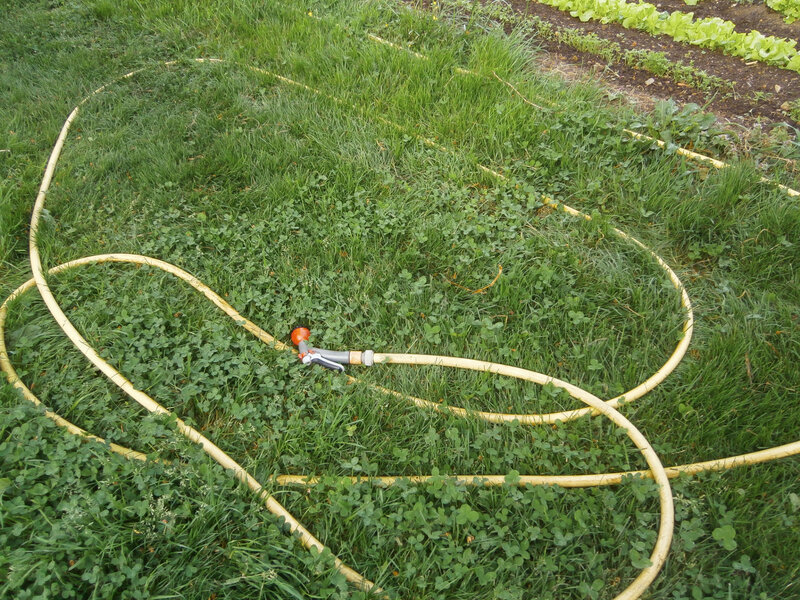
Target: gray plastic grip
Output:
[{"x": 338, "y": 356}]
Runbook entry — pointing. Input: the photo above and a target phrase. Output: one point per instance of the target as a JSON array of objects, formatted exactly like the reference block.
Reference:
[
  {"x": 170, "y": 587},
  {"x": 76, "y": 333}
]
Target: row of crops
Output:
[
  {"x": 681, "y": 40},
  {"x": 713, "y": 33},
  {"x": 790, "y": 9}
]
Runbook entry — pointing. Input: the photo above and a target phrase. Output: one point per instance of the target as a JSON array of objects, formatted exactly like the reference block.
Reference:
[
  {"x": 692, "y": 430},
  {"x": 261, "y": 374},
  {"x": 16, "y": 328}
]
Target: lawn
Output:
[{"x": 395, "y": 201}]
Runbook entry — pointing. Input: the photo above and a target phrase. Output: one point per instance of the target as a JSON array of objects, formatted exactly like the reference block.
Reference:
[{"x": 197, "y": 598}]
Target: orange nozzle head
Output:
[{"x": 300, "y": 334}]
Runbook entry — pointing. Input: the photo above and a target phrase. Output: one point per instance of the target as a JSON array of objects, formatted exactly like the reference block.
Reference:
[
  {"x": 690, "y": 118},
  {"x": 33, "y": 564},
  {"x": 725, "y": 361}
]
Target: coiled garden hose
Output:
[{"x": 594, "y": 404}]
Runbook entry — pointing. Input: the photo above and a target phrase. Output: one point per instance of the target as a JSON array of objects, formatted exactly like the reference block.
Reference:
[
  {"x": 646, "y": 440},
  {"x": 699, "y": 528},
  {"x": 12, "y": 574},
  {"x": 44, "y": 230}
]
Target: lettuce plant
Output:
[{"x": 790, "y": 9}]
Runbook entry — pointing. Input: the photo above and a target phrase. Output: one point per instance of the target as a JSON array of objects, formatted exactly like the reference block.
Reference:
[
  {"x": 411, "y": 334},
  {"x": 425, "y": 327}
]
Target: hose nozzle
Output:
[{"x": 330, "y": 359}]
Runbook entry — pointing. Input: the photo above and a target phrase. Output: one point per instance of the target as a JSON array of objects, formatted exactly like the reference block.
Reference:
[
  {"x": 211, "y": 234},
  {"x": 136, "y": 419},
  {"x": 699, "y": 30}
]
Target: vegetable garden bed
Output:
[{"x": 663, "y": 67}]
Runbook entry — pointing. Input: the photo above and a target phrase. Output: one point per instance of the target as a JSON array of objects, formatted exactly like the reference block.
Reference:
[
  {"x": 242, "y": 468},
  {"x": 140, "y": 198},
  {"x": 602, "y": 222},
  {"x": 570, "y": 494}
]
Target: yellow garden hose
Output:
[
  {"x": 594, "y": 404},
  {"x": 633, "y": 591}
]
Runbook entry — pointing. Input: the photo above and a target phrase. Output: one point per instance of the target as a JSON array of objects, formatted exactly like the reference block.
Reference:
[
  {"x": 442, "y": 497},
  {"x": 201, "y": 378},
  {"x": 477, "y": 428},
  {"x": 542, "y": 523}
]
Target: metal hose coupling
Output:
[{"x": 330, "y": 359}]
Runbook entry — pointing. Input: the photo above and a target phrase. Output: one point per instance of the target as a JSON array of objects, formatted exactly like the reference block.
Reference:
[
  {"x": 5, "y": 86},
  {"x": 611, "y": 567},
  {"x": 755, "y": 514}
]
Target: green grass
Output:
[{"x": 299, "y": 208}]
